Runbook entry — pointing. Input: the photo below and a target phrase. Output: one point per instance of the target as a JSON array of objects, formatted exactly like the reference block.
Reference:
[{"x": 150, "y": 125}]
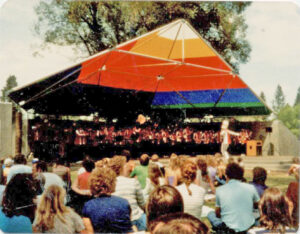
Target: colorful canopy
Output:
[{"x": 170, "y": 68}]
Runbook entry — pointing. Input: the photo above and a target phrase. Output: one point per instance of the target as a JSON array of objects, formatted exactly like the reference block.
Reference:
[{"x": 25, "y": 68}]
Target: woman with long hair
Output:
[
  {"x": 18, "y": 204},
  {"x": 275, "y": 213},
  {"x": 173, "y": 173},
  {"x": 202, "y": 178},
  {"x": 52, "y": 216},
  {"x": 155, "y": 178},
  {"x": 192, "y": 194}
]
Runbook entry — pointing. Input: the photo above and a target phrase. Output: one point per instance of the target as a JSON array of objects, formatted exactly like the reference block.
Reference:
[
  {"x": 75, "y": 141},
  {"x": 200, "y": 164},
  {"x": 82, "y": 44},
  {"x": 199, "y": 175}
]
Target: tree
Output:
[
  {"x": 279, "y": 100},
  {"x": 263, "y": 96},
  {"x": 297, "y": 100},
  {"x": 11, "y": 82},
  {"x": 92, "y": 26},
  {"x": 291, "y": 118}
]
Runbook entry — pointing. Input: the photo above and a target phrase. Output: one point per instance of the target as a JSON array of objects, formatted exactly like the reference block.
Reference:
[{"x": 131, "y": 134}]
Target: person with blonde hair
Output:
[
  {"x": 172, "y": 172},
  {"x": 275, "y": 213},
  {"x": 155, "y": 178},
  {"x": 192, "y": 194},
  {"x": 106, "y": 212},
  {"x": 52, "y": 216}
]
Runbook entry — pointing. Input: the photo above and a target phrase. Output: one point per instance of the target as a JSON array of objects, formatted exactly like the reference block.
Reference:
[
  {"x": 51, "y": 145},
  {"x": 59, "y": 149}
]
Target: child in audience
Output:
[{"x": 172, "y": 172}]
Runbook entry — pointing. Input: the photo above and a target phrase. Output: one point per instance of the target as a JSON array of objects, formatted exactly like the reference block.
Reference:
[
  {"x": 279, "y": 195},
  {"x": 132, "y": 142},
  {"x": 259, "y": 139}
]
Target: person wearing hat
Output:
[{"x": 226, "y": 139}]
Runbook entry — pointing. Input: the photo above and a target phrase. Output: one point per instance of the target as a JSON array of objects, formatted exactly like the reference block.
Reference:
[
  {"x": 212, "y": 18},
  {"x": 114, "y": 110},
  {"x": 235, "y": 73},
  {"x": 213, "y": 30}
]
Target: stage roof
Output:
[{"x": 169, "y": 69}]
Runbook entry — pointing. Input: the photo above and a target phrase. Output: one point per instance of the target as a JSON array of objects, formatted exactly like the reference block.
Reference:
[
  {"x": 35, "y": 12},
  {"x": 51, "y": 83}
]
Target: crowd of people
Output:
[{"x": 121, "y": 195}]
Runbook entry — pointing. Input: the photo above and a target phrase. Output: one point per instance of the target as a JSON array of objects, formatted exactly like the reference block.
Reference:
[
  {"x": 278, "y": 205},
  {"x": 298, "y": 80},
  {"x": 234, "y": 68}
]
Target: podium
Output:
[{"x": 254, "y": 148}]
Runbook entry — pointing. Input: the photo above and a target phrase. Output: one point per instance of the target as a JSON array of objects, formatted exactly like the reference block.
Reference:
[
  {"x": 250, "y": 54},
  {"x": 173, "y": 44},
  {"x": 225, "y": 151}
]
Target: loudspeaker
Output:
[{"x": 268, "y": 129}]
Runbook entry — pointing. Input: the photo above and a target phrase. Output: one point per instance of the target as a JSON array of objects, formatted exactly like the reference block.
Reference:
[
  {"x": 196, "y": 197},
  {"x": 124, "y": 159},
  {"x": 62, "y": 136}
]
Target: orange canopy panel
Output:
[{"x": 171, "y": 67}]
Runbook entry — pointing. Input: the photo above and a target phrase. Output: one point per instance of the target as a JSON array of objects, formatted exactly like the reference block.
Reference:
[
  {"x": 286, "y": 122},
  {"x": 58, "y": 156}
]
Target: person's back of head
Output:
[
  {"x": 127, "y": 154},
  {"x": 188, "y": 172},
  {"x": 234, "y": 171},
  {"x": 154, "y": 158},
  {"x": 163, "y": 200},
  {"x": 51, "y": 205},
  {"x": 19, "y": 194},
  {"x": 117, "y": 164},
  {"x": 178, "y": 223},
  {"x": 202, "y": 165},
  {"x": 20, "y": 159},
  {"x": 144, "y": 159},
  {"x": 41, "y": 166},
  {"x": 275, "y": 210},
  {"x": 88, "y": 165},
  {"x": 259, "y": 175},
  {"x": 154, "y": 173}
]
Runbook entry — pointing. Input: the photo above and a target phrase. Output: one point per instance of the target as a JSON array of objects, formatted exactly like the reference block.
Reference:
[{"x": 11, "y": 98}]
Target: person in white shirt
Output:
[
  {"x": 19, "y": 167},
  {"x": 129, "y": 189},
  {"x": 192, "y": 194}
]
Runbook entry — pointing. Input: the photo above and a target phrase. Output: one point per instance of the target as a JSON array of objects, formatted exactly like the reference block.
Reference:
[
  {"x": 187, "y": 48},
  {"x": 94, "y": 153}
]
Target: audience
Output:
[
  {"x": 192, "y": 194},
  {"x": 106, "y": 213},
  {"x": 62, "y": 171},
  {"x": 105, "y": 198},
  {"x": 18, "y": 204},
  {"x": 202, "y": 178},
  {"x": 259, "y": 179},
  {"x": 275, "y": 210},
  {"x": 52, "y": 216},
  {"x": 129, "y": 189},
  {"x": 163, "y": 200},
  {"x": 18, "y": 167},
  {"x": 172, "y": 172},
  {"x": 178, "y": 223},
  {"x": 141, "y": 171},
  {"x": 234, "y": 202},
  {"x": 293, "y": 194},
  {"x": 155, "y": 178}
]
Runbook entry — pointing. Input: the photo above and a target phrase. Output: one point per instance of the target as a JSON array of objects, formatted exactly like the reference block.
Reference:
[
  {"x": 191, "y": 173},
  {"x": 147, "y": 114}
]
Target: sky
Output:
[{"x": 273, "y": 33}]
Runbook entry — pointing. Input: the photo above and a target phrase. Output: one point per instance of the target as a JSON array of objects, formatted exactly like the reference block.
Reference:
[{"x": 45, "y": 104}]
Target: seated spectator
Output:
[
  {"x": 234, "y": 203},
  {"x": 18, "y": 206},
  {"x": 172, "y": 172},
  {"x": 192, "y": 194},
  {"x": 129, "y": 189},
  {"x": 52, "y": 216},
  {"x": 212, "y": 166},
  {"x": 81, "y": 169},
  {"x": 8, "y": 164},
  {"x": 80, "y": 184},
  {"x": 62, "y": 171},
  {"x": 293, "y": 194},
  {"x": 141, "y": 171},
  {"x": 178, "y": 223},
  {"x": 130, "y": 164},
  {"x": 202, "y": 178},
  {"x": 155, "y": 178},
  {"x": 155, "y": 160},
  {"x": 275, "y": 210},
  {"x": 163, "y": 200},
  {"x": 18, "y": 167},
  {"x": 40, "y": 172},
  {"x": 106, "y": 213},
  {"x": 259, "y": 179},
  {"x": 220, "y": 175}
]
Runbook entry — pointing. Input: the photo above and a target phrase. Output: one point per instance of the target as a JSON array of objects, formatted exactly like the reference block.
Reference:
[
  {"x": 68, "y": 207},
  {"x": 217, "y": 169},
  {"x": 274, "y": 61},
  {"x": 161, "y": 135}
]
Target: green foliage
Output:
[
  {"x": 93, "y": 26},
  {"x": 290, "y": 116},
  {"x": 297, "y": 100},
  {"x": 279, "y": 100},
  {"x": 11, "y": 82},
  {"x": 263, "y": 96}
]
